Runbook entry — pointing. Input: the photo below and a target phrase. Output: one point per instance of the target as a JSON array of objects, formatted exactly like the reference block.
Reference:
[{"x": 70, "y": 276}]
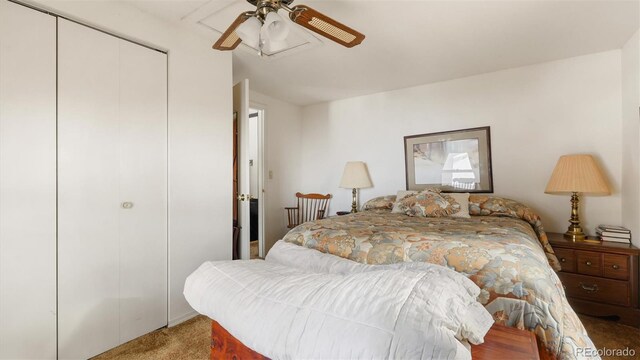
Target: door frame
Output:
[
  {"x": 262, "y": 109},
  {"x": 241, "y": 105}
]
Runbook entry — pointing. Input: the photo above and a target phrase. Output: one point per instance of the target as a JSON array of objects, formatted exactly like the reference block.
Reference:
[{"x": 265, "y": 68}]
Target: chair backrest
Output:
[{"x": 312, "y": 206}]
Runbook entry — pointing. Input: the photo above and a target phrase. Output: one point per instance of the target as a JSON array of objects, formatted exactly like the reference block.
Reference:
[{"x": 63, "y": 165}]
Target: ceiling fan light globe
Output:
[
  {"x": 249, "y": 32},
  {"x": 275, "y": 27}
]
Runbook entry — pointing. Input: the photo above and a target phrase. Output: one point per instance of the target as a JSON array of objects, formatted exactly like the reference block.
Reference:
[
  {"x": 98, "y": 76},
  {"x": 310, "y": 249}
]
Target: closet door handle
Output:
[{"x": 126, "y": 205}]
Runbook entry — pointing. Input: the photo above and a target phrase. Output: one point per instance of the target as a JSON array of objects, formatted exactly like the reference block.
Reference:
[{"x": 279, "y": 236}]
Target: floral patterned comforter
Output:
[{"x": 503, "y": 249}]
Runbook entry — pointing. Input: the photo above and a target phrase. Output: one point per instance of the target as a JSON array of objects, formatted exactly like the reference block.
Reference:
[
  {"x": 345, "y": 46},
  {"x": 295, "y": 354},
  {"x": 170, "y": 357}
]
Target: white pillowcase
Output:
[{"x": 463, "y": 200}]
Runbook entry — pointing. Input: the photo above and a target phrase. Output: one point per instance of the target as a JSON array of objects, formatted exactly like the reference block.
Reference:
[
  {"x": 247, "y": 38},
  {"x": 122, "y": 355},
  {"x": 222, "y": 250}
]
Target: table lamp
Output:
[
  {"x": 355, "y": 176},
  {"x": 576, "y": 174}
]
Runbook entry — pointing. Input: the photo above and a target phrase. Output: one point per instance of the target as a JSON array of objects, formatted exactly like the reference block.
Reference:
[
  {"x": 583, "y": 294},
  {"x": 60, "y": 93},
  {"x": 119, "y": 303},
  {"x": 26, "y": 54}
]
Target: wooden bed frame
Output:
[
  {"x": 225, "y": 346},
  {"x": 501, "y": 342}
]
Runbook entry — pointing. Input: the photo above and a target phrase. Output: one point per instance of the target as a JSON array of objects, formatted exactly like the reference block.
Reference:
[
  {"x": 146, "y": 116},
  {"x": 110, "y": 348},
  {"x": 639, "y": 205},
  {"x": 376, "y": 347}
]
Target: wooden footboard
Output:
[
  {"x": 225, "y": 346},
  {"x": 501, "y": 342}
]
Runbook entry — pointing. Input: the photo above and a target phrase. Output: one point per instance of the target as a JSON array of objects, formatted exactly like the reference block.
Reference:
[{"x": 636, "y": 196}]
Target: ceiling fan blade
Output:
[
  {"x": 229, "y": 39},
  {"x": 325, "y": 26}
]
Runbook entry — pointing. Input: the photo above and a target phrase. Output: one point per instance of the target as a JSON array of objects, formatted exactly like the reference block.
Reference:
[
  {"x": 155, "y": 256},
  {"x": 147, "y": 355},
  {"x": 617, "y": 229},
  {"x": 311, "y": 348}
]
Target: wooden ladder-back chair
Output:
[{"x": 310, "y": 207}]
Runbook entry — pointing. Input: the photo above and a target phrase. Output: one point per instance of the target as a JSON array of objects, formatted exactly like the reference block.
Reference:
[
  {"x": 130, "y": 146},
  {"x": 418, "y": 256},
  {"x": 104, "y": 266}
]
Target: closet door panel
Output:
[
  {"x": 88, "y": 188},
  {"x": 27, "y": 183},
  {"x": 143, "y": 183}
]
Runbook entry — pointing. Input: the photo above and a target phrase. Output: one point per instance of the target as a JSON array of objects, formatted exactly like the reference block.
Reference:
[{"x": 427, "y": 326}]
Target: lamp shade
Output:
[
  {"x": 355, "y": 176},
  {"x": 577, "y": 173}
]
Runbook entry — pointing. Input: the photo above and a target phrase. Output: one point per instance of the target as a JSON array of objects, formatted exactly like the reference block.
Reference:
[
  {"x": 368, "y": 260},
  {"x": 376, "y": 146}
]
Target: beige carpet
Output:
[
  {"x": 190, "y": 341},
  {"x": 254, "y": 250},
  {"x": 187, "y": 341},
  {"x": 610, "y": 335}
]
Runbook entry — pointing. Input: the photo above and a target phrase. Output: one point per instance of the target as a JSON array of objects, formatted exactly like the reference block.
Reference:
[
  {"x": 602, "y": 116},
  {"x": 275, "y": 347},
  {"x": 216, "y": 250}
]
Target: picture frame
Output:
[{"x": 453, "y": 161}]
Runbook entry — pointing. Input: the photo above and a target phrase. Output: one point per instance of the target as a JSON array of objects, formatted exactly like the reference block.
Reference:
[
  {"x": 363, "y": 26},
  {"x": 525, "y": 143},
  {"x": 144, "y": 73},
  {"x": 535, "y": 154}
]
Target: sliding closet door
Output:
[
  {"x": 27, "y": 183},
  {"x": 112, "y": 252},
  {"x": 143, "y": 184},
  {"x": 88, "y": 196}
]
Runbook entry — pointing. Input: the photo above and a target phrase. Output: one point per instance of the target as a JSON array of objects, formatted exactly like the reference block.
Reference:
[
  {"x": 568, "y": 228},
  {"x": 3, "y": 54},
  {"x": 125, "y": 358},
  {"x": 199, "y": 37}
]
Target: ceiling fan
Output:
[{"x": 265, "y": 30}]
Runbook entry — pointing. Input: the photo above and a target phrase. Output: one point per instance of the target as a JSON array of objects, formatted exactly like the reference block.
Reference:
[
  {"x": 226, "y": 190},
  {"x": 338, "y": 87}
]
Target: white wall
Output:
[
  {"x": 536, "y": 114},
  {"x": 200, "y": 143},
  {"x": 283, "y": 127},
  {"x": 631, "y": 136}
]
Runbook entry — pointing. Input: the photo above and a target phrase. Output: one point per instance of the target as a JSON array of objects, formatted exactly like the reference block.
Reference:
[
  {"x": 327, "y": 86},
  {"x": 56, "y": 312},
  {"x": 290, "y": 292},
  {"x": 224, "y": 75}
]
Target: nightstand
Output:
[{"x": 600, "y": 278}]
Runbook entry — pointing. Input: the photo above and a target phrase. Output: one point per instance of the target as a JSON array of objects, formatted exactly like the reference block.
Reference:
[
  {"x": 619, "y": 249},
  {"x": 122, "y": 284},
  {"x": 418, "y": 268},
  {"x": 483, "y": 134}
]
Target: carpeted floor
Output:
[
  {"x": 187, "y": 341},
  {"x": 610, "y": 335},
  {"x": 190, "y": 341},
  {"x": 254, "y": 250}
]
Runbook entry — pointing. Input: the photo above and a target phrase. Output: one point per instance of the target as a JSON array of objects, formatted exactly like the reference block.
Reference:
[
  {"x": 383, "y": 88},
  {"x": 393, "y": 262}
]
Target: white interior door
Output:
[
  {"x": 27, "y": 183},
  {"x": 112, "y": 191},
  {"x": 241, "y": 107}
]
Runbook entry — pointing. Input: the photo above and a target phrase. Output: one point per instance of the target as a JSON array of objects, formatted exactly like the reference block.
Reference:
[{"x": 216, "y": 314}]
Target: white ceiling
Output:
[{"x": 417, "y": 42}]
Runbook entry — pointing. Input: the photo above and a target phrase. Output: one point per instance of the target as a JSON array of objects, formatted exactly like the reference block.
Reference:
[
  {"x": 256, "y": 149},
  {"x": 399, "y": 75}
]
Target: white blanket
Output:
[{"x": 303, "y": 304}]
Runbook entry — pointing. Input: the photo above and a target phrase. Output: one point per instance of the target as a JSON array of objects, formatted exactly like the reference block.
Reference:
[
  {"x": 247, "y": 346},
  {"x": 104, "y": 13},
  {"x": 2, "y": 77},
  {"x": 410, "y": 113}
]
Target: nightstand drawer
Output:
[
  {"x": 589, "y": 262},
  {"x": 596, "y": 289},
  {"x": 616, "y": 266},
  {"x": 567, "y": 259}
]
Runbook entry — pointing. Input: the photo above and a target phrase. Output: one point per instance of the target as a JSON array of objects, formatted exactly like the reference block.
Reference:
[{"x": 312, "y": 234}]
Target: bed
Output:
[
  {"x": 502, "y": 248},
  {"x": 304, "y": 304}
]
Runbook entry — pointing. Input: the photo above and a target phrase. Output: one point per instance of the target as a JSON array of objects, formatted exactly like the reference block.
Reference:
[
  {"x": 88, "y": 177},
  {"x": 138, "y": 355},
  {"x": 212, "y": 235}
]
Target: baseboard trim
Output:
[{"x": 182, "y": 318}]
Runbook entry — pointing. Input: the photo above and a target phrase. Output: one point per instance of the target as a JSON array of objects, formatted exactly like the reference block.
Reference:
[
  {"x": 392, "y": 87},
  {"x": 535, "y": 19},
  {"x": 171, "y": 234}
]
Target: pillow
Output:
[
  {"x": 396, "y": 208},
  {"x": 380, "y": 202},
  {"x": 463, "y": 200},
  {"x": 401, "y": 194},
  {"x": 428, "y": 203}
]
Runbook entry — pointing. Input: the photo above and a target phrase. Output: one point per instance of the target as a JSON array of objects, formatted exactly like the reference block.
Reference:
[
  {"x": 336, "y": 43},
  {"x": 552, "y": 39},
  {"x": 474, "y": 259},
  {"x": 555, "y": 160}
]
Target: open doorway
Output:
[
  {"x": 248, "y": 175},
  {"x": 256, "y": 161}
]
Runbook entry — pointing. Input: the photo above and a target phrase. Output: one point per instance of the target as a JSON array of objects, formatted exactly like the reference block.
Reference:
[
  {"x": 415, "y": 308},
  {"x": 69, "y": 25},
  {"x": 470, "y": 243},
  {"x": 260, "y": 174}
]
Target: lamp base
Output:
[
  {"x": 354, "y": 201},
  {"x": 574, "y": 232},
  {"x": 575, "y": 236}
]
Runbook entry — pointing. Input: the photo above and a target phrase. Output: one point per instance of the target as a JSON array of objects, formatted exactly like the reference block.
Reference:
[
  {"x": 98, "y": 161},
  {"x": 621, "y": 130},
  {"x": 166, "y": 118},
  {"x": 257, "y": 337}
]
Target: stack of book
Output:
[{"x": 614, "y": 233}]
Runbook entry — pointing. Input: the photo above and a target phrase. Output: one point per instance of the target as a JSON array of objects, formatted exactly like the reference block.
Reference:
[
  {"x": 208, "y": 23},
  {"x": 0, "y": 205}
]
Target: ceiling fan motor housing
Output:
[
  {"x": 256, "y": 2},
  {"x": 264, "y": 7}
]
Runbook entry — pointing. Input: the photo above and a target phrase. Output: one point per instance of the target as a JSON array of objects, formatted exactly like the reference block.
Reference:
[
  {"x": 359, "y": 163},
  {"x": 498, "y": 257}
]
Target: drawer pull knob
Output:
[
  {"x": 588, "y": 263},
  {"x": 615, "y": 266},
  {"x": 589, "y": 288},
  {"x": 563, "y": 260}
]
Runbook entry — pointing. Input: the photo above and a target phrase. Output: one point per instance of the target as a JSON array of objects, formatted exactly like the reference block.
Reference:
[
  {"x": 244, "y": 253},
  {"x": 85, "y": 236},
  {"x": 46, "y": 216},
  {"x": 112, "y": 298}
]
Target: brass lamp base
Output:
[
  {"x": 354, "y": 202},
  {"x": 575, "y": 236},
  {"x": 574, "y": 232}
]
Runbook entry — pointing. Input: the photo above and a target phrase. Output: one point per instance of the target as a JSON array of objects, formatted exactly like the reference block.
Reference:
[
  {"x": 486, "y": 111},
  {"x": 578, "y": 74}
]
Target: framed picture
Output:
[{"x": 454, "y": 161}]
